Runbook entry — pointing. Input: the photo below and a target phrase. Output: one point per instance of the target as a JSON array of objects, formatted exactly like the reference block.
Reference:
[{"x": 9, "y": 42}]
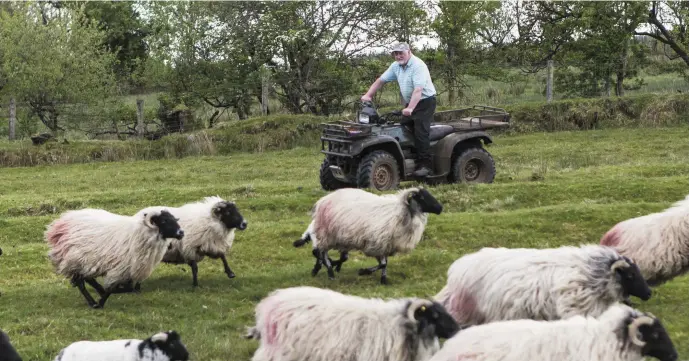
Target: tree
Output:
[{"x": 53, "y": 63}]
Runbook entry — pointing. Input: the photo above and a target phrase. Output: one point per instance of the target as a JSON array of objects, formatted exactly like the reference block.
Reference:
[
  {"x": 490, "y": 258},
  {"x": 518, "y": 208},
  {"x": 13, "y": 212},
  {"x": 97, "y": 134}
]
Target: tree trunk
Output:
[
  {"x": 451, "y": 83},
  {"x": 140, "y": 118},
  {"x": 622, "y": 70}
]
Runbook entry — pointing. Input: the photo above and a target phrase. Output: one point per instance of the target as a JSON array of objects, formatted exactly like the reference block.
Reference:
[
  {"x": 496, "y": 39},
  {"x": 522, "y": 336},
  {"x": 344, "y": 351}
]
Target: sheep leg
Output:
[
  {"x": 228, "y": 271},
  {"x": 323, "y": 258},
  {"x": 383, "y": 261},
  {"x": 370, "y": 270},
  {"x": 194, "y": 272},
  {"x": 79, "y": 283},
  {"x": 319, "y": 262},
  {"x": 96, "y": 286},
  {"x": 344, "y": 256}
]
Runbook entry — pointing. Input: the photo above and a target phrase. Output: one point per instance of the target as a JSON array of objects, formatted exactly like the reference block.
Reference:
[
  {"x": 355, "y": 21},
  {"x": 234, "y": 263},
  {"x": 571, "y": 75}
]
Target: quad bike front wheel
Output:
[
  {"x": 473, "y": 165},
  {"x": 378, "y": 170},
  {"x": 328, "y": 180}
]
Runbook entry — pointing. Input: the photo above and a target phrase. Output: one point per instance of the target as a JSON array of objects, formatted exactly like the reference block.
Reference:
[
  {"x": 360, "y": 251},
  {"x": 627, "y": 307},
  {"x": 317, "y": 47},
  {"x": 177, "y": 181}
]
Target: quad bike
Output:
[{"x": 378, "y": 151}]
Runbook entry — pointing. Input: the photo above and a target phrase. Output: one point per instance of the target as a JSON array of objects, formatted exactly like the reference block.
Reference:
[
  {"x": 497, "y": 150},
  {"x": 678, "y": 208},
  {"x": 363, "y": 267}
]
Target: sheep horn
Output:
[
  {"x": 634, "y": 328},
  {"x": 147, "y": 220},
  {"x": 619, "y": 264},
  {"x": 415, "y": 305}
]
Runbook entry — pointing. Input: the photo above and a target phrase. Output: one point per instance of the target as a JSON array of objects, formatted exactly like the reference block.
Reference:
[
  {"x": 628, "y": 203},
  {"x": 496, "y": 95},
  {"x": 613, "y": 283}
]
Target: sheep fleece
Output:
[
  {"x": 306, "y": 323},
  {"x": 658, "y": 242},
  {"x": 501, "y": 284},
  {"x": 377, "y": 225},
  {"x": 95, "y": 242}
]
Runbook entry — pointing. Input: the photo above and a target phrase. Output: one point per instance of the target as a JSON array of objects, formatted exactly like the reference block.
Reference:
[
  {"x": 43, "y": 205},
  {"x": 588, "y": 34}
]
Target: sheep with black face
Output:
[
  {"x": 89, "y": 243},
  {"x": 377, "y": 225},
  {"x": 209, "y": 227},
  {"x": 497, "y": 284},
  {"x": 163, "y": 346},
  {"x": 290, "y": 327}
]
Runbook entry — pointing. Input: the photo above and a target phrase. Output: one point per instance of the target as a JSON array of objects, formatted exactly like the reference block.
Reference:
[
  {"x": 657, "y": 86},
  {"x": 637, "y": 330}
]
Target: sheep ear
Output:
[
  {"x": 218, "y": 207},
  {"x": 415, "y": 306},
  {"x": 148, "y": 220}
]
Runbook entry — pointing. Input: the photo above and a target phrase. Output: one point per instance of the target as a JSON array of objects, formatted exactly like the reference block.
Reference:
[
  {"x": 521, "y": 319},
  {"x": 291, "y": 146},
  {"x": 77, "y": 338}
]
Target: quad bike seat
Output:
[{"x": 439, "y": 131}]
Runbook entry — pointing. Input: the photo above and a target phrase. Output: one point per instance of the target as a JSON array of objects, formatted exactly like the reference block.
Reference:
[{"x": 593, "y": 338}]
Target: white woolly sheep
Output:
[
  {"x": 621, "y": 333},
  {"x": 289, "y": 326},
  {"x": 379, "y": 226},
  {"x": 209, "y": 226},
  {"x": 496, "y": 284},
  {"x": 657, "y": 242},
  {"x": 7, "y": 351},
  {"x": 89, "y": 243},
  {"x": 163, "y": 346}
]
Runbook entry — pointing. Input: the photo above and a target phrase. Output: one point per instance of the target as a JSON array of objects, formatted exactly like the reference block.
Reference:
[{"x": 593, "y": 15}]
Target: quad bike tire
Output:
[
  {"x": 378, "y": 170},
  {"x": 473, "y": 165},
  {"x": 328, "y": 180}
]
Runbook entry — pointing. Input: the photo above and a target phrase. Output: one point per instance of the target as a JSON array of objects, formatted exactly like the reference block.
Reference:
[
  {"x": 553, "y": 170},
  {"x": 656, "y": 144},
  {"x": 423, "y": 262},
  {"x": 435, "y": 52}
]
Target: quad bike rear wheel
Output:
[
  {"x": 473, "y": 165},
  {"x": 328, "y": 180},
  {"x": 378, "y": 170}
]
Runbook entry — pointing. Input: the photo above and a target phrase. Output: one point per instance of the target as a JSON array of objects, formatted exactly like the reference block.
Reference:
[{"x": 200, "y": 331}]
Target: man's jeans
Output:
[{"x": 422, "y": 117}]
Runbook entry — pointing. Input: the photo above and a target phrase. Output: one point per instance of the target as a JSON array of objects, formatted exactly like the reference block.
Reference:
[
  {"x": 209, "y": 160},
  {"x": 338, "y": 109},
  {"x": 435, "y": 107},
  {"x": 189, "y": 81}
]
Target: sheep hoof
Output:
[
  {"x": 384, "y": 281},
  {"x": 231, "y": 275},
  {"x": 96, "y": 306},
  {"x": 364, "y": 271}
]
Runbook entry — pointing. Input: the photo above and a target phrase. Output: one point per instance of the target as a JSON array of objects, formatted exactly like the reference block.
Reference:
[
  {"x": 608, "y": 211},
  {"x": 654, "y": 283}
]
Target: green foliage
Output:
[
  {"x": 585, "y": 182},
  {"x": 55, "y": 66}
]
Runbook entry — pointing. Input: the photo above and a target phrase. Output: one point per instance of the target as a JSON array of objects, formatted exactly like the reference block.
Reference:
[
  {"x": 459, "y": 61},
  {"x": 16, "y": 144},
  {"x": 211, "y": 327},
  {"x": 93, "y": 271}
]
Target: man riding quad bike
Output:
[{"x": 377, "y": 151}]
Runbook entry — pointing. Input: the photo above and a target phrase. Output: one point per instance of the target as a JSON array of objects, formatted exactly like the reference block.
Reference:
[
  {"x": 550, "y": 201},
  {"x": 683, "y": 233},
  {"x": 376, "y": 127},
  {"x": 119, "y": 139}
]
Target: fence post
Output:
[
  {"x": 13, "y": 117},
  {"x": 549, "y": 83},
  {"x": 139, "y": 118}
]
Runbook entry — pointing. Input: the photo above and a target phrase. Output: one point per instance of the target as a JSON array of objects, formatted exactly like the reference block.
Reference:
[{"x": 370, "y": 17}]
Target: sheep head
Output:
[
  {"x": 228, "y": 214},
  {"x": 165, "y": 223},
  {"x": 432, "y": 317},
  {"x": 628, "y": 274},
  {"x": 650, "y": 335},
  {"x": 425, "y": 201}
]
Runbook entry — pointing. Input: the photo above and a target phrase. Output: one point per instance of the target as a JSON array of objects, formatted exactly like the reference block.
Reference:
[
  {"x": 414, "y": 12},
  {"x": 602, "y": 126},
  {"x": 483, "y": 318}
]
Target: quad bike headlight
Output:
[{"x": 364, "y": 118}]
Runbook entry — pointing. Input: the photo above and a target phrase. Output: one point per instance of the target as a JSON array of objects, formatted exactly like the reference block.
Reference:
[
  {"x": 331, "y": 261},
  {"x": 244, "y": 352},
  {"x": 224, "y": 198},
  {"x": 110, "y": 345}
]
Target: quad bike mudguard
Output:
[{"x": 444, "y": 148}]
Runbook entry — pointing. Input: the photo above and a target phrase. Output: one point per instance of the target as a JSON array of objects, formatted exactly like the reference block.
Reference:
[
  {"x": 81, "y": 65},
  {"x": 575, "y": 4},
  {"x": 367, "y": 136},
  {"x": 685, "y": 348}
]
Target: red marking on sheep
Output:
[
  {"x": 462, "y": 306},
  {"x": 58, "y": 232},
  {"x": 611, "y": 238},
  {"x": 323, "y": 219}
]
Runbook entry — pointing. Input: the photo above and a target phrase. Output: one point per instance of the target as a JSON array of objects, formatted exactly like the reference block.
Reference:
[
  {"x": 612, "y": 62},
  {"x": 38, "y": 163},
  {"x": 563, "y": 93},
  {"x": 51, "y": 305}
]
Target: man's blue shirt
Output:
[{"x": 414, "y": 74}]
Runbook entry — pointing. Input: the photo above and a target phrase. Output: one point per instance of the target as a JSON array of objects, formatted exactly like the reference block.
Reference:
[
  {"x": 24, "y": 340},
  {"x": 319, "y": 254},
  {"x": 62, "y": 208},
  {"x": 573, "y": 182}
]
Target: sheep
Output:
[
  {"x": 289, "y": 327},
  {"x": 88, "y": 243},
  {"x": 379, "y": 226},
  {"x": 621, "y": 333},
  {"x": 496, "y": 284},
  {"x": 209, "y": 227},
  {"x": 657, "y": 242},
  {"x": 7, "y": 351},
  {"x": 163, "y": 346}
]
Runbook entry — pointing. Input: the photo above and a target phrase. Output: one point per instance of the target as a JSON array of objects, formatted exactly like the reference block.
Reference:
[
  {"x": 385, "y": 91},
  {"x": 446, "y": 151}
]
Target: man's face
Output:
[{"x": 401, "y": 57}]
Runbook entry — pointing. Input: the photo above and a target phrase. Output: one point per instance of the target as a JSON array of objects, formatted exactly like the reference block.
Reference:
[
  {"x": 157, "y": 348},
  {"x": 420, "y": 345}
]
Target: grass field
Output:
[{"x": 551, "y": 189}]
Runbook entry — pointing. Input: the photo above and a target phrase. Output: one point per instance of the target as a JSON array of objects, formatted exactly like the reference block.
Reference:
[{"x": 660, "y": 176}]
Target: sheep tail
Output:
[{"x": 252, "y": 333}]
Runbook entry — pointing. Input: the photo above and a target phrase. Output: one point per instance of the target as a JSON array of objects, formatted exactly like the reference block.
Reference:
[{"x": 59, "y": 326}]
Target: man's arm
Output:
[
  {"x": 415, "y": 98},
  {"x": 372, "y": 90}
]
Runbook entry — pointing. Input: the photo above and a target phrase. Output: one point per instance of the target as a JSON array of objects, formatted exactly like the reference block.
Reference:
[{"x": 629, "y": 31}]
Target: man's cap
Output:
[{"x": 400, "y": 47}]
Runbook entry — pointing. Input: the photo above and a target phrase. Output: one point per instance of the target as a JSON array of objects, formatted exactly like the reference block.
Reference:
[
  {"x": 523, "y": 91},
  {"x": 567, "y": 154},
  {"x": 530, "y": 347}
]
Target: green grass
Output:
[{"x": 552, "y": 189}]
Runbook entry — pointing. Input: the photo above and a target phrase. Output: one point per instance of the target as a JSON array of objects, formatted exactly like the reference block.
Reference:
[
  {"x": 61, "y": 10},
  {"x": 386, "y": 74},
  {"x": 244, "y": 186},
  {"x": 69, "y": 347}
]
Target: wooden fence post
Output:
[
  {"x": 139, "y": 118},
  {"x": 13, "y": 117}
]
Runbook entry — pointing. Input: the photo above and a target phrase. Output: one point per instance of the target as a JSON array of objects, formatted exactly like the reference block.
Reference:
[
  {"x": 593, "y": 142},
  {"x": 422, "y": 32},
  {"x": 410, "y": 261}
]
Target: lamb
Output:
[
  {"x": 379, "y": 226},
  {"x": 289, "y": 326},
  {"x": 657, "y": 242},
  {"x": 163, "y": 346},
  {"x": 621, "y": 333},
  {"x": 210, "y": 228},
  {"x": 7, "y": 351},
  {"x": 88, "y": 243},
  {"x": 497, "y": 284}
]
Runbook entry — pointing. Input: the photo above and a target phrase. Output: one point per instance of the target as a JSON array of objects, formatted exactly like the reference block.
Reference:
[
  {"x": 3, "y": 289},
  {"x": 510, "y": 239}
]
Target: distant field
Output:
[{"x": 552, "y": 189}]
